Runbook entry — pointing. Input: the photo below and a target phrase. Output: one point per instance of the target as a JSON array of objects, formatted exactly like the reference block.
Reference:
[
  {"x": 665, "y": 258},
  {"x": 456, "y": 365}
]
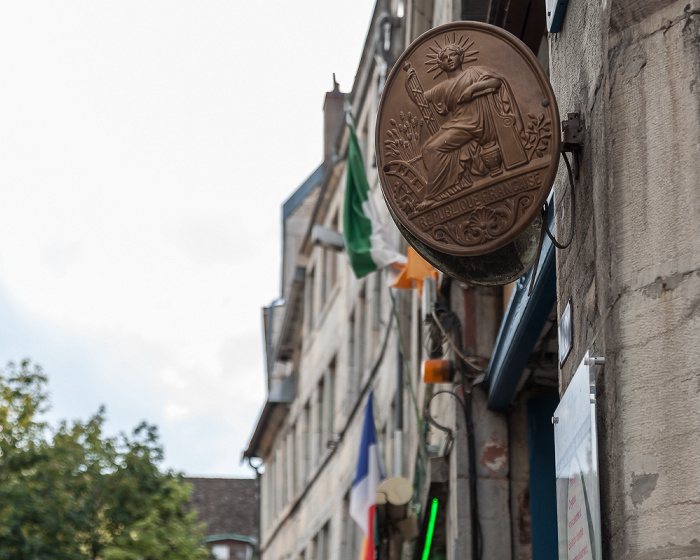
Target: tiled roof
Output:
[{"x": 226, "y": 505}]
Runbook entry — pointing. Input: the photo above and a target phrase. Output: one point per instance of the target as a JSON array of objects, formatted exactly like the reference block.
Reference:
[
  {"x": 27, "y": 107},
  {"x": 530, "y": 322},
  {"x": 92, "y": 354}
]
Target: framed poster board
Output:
[{"x": 576, "y": 456}]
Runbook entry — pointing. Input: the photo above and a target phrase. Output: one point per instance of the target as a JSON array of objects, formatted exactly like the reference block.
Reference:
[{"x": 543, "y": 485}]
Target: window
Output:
[
  {"x": 318, "y": 422},
  {"x": 332, "y": 258},
  {"x": 324, "y": 274},
  {"x": 265, "y": 498},
  {"x": 299, "y": 457},
  {"x": 351, "y": 346},
  {"x": 221, "y": 551},
  {"x": 361, "y": 336},
  {"x": 279, "y": 478},
  {"x": 312, "y": 552},
  {"x": 320, "y": 545},
  {"x": 283, "y": 472},
  {"x": 306, "y": 444},
  {"x": 330, "y": 402},
  {"x": 271, "y": 486},
  {"x": 290, "y": 461},
  {"x": 377, "y": 301},
  {"x": 364, "y": 142},
  {"x": 310, "y": 297},
  {"x": 325, "y": 543},
  {"x": 271, "y": 473}
]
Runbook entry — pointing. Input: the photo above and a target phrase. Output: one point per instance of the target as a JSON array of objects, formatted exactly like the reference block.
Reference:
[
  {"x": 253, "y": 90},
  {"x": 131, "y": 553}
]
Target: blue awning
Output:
[{"x": 521, "y": 326}]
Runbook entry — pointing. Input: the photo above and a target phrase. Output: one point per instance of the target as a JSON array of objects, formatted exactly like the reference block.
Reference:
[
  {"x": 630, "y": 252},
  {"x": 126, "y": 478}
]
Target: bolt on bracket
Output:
[{"x": 595, "y": 361}]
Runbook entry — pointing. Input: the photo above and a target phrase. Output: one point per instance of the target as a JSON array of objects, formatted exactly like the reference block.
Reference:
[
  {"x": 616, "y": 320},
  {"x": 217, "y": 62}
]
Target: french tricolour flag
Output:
[{"x": 369, "y": 475}]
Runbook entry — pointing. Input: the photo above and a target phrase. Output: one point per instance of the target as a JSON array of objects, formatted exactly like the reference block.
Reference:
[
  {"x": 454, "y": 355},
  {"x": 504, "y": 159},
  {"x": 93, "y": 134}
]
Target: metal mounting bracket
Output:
[
  {"x": 594, "y": 361},
  {"x": 572, "y": 138}
]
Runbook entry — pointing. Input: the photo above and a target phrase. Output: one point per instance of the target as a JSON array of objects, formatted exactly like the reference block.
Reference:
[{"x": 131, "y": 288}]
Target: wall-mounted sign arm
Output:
[{"x": 572, "y": 138}]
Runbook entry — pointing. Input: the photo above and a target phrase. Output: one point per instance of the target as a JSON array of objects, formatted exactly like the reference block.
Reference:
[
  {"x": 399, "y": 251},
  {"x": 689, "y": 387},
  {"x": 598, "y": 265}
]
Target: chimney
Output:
[{"x": 333, "y": 115}]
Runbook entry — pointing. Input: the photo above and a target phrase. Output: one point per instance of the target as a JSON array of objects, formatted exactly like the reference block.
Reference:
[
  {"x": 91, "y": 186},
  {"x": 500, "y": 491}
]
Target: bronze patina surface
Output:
[{"x": 467, "y": 139}]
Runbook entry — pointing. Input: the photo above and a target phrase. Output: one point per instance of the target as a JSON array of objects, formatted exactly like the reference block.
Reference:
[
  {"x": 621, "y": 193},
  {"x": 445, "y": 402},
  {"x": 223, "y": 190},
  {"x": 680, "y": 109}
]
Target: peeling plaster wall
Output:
[
  {"x": 633, "y": 271},
  {"x": 521, "y": 526},
  {"x": 492, "y": 471},
  {"x": 478, "y": 309}
]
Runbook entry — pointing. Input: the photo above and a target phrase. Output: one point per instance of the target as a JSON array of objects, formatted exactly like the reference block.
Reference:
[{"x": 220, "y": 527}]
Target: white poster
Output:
[{"x": 576, "y": 452}]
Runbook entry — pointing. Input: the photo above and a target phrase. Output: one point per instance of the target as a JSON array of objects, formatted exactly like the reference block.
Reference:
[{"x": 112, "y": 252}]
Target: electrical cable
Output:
[
  {"x": 471, "y": 452},
  {"x": 433, "y": 341},
  {"x": 431, "y": 420},
  {"x": 465, "y": 359},
  {"x": 454, "y": 326},
  {"x": 477, "y": 541},
  {"x": 545, "y": 227},
  {"x": 545, "y": 210},
  {"x": 409, "y": 377},
  {"x": 477, "y": 537}
]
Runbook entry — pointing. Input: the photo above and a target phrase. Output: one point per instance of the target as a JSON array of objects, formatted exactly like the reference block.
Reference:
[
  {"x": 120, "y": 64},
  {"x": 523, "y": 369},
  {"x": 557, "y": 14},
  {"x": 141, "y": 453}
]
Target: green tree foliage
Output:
[{"x": 71, "y": 493}]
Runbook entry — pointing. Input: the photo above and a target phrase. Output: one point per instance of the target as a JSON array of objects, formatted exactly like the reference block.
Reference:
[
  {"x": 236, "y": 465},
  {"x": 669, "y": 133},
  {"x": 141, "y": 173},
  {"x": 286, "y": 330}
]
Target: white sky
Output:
[{"x": 146, "y": 148}]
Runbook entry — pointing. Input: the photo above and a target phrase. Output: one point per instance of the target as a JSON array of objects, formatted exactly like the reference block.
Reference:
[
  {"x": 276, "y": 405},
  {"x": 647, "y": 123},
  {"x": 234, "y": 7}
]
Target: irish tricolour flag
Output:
[
  {"x": 369, "y": 475},
  {"x": 367, "y": 242}
]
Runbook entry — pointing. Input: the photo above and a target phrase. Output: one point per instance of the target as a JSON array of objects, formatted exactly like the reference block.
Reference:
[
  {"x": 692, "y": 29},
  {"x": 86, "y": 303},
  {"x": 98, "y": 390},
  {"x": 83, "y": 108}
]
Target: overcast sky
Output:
[{"x": 146, "y": 148}]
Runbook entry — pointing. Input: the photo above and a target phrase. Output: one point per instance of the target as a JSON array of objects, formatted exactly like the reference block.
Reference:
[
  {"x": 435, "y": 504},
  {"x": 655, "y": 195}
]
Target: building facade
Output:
[{"x": 485, "y": 452}]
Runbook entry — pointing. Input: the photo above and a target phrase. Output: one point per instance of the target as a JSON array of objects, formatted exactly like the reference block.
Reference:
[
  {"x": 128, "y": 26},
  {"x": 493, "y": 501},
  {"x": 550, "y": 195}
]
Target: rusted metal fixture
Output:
[
  {"x": 572, "y": 133},
  {"x": 572, "y": 139}
]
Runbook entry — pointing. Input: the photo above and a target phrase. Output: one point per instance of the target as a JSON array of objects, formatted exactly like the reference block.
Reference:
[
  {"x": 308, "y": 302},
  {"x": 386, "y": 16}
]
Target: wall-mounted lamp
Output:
[
  {"x": 386, "y": 30},
  {"x": 438, "y": 371},
  {"x": 328, "y": 238},
  {"x": 382, "y": 36}
]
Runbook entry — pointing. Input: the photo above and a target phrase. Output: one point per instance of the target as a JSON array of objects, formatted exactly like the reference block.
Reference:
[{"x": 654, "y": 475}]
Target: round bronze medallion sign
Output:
[{"x": 467, "y": 138}]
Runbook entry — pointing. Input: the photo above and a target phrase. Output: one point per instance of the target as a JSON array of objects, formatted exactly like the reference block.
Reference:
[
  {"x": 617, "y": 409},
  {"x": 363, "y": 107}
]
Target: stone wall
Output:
[{"x": 633, "y": 271}]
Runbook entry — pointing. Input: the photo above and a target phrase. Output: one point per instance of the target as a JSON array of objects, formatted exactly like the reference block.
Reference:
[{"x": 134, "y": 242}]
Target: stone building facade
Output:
[
  {"x": 630, "y": 71},
  {"x": 632, "y": 272}
]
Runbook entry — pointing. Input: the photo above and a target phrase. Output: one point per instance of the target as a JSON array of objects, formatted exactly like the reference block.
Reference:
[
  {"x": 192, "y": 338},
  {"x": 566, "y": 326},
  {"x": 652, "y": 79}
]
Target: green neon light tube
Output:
[{"x": 431, "y": 528}]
